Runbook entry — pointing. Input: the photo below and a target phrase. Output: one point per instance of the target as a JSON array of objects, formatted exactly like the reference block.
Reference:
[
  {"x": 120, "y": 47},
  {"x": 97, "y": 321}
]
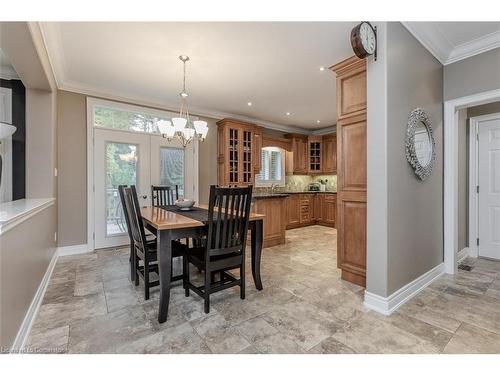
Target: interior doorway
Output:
[{"x": 451, "y": 184}]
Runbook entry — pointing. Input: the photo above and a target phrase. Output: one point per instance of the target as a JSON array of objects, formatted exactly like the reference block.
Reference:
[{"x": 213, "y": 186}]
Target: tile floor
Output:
[{"x": 91, "y": 307}]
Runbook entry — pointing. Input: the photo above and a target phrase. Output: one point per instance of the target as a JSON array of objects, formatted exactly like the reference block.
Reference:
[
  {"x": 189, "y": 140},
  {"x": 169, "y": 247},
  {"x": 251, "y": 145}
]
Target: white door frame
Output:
[
  {"x": 450, "y": 199},
  {"x": 474, "y": 180},
  {"x": 90, "y": 156}
]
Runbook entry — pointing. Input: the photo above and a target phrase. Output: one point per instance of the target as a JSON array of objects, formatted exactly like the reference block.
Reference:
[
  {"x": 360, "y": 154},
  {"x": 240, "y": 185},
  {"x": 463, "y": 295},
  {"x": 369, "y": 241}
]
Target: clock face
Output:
[{"x": 368, "y": 39}]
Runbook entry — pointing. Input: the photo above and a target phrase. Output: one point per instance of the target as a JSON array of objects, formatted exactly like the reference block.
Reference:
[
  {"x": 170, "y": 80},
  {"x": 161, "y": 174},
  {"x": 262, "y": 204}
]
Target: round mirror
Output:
[{"x": 420, "y": 151}]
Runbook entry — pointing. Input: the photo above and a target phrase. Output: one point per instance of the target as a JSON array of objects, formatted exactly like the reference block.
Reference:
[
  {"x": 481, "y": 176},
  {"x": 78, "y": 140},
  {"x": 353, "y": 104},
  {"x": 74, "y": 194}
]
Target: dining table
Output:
[{"x": 169, "y": 223}]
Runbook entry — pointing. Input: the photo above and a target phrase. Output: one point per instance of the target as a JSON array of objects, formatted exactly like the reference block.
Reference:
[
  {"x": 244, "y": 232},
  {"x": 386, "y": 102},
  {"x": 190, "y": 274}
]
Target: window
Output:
[
  {"x": 172, "y": 168},
  {"x": 272, "y": 167},
  {"x": 127, "y": 117}
]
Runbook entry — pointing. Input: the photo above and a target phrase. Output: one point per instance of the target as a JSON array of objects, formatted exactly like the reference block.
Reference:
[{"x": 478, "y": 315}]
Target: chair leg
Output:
[
  {"x": 146, "y": 279},
  {"x": 136, "y": 270},
  {"x": 242, "y": 280},
  {"x": 208, "y": 274},
  {"x": 185, "y": 272}
]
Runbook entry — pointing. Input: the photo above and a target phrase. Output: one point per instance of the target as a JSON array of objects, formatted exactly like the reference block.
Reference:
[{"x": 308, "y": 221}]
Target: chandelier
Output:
[{"x": 182, "y": 128}]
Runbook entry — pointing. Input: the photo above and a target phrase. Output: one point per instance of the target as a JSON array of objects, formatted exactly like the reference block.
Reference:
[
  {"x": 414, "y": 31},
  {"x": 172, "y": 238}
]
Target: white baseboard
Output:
[
  {"x": 387, "y": 305},
  {"x": 73, "y": 250},
  {"x": 29, "y": 318}
]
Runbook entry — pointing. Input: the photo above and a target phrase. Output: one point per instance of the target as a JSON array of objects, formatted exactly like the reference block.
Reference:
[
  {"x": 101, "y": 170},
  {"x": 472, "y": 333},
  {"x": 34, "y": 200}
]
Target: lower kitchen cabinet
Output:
[
  {"x": 274, "y": 221},
  {"x": 305, "y": 209}
]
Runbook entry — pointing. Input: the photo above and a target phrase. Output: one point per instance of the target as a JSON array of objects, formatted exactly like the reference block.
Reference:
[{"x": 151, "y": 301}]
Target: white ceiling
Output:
[
  {"x": 453, "y": 41},
  {"x": 273, "y": 65},
  {"x": 7, "y": 71}
]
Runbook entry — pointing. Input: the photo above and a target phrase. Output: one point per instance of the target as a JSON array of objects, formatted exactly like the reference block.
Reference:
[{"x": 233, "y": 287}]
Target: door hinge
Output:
[
  {"x": 477, "y": 189},
  {"x": 477, "y": 137},
  {"x": 477, "y": 241}
]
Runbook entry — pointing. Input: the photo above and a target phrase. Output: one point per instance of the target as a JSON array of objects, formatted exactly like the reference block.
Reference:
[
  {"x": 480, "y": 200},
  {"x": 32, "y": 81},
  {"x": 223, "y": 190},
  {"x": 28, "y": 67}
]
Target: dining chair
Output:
[
  {"x": 164, "y": 195},
  {"x": 145, "y": 251},
  {"x": 224, "y": 248},
  {"x": 149, "y": 236}
]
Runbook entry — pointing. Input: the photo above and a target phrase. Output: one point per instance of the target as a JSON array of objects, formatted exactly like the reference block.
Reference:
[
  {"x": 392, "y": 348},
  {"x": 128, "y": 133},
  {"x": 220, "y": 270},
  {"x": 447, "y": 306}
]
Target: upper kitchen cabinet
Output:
[
  {"x": 239, "y": 146},
  {"x": 298, "y": 162},
  {"x": 329, "y": 151},
  {"x": 315, "y": 152},
  {"x": 351, "y": 87}
]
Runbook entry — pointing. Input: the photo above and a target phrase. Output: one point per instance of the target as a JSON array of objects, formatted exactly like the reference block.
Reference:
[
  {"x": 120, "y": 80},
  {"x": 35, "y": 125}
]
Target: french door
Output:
[{"x": 140, "y": 159}]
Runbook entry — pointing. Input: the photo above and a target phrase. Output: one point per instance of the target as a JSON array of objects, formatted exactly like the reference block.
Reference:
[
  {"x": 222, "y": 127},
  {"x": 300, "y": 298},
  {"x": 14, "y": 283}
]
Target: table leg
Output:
[
  {"x": 256, "y": 243},
  {"x": 165, "y": 271}
]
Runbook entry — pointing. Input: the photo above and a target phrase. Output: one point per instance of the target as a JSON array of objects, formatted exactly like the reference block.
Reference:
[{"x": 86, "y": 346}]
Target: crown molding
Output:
[
  {"x": 433, "y": 39},
  {"x": 474, "y": 47},
  {"x": 327, "y": 130}
]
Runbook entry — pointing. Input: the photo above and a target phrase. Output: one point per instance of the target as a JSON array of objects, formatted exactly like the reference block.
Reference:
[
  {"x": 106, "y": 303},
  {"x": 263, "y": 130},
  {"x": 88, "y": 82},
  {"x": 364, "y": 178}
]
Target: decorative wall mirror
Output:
[{"x": 420, "y": 146}]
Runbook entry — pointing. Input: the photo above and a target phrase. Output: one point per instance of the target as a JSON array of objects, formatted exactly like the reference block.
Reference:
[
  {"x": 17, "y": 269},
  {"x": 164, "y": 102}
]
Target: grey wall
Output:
[
  {"x": 473, "y": 75},
  {"x": 405, "y": 215},
  {"x": 415, "y": 210},
  {"x": 72, "y": 168},
  {"x": 24, "y": 258},
  {"x": 72, "y": 156},
  {"x": 23, "y": 263}
]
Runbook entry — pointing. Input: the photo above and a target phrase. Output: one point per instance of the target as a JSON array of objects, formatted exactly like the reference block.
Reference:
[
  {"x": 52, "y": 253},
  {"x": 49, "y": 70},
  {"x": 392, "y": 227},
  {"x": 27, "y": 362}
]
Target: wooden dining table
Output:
[{"x": 170, "y": 225}]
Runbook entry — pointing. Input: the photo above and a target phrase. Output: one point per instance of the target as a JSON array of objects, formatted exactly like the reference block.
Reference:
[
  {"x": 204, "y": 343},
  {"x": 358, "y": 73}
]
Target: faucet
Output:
[{"x": 273, "y": 187}]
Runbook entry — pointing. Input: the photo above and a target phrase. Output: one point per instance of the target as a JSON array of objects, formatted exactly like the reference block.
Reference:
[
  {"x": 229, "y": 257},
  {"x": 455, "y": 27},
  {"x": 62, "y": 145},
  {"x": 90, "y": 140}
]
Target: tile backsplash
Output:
[{"x": 301, "y": 183}]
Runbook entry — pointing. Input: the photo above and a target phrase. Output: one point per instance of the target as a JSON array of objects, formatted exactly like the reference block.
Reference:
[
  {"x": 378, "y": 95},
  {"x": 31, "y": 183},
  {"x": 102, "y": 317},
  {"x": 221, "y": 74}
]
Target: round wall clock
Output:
[{"x": 364, "y": 40}]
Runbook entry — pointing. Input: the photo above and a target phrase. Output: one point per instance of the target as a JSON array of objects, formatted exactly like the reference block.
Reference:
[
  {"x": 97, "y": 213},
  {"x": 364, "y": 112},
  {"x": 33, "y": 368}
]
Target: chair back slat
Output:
[
  {"x": 135, "y": 218},
  {"x": 121, "y": 191},
  {"x": 228, "y": 215},
  {"x": 164, "y": 195}
]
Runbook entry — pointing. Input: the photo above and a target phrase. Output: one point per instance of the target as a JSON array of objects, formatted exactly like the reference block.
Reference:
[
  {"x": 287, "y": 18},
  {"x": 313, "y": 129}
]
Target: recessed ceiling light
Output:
[
  {"x": 317, "y": 121},
  {"x": 249, "y": 104},
  {"x": 288, "y": 113},
  {"x": 321, "y": 68}
]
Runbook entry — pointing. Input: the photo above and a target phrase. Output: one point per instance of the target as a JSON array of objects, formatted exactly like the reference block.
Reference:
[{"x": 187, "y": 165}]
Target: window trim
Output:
[{"x": 267, "y": 183}]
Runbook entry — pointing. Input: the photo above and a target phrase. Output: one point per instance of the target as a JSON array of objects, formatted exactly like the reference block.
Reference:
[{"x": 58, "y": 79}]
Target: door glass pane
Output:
[
  {"x": 121, "y": 169},
  {"x": 172, "y": 168}
]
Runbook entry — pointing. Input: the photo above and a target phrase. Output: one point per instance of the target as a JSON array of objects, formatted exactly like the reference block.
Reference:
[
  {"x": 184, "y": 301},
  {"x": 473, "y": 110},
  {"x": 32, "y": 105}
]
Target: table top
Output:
[{"x": 160, "y": 219}]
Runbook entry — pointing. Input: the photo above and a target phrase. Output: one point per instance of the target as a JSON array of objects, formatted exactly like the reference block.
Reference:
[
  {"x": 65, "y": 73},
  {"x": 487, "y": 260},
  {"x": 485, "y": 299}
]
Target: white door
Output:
[
  {"x": 120, "y": 158},
  {"x": 133, "y": 158},
  {"x": 489, "y": 186}
]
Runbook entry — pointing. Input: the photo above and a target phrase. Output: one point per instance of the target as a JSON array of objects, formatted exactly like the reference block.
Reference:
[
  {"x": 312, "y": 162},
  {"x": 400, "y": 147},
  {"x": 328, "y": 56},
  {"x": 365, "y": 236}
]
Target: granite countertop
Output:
[{"x": 287, "y": 193}]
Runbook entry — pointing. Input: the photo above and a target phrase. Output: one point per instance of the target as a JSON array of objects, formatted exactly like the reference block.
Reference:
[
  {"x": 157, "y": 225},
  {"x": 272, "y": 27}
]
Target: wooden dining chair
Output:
[
  {"x": 149, "y": 236},
  {"x": 224, "y": 248},
  {"x": 164, "y": 195},
  {"x": 145, "y": 251}
]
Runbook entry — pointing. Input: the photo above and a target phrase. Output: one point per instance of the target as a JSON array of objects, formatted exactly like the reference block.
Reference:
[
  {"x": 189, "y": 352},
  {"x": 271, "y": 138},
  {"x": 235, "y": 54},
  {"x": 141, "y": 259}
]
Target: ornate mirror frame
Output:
[{"x": 416, "y": 116}]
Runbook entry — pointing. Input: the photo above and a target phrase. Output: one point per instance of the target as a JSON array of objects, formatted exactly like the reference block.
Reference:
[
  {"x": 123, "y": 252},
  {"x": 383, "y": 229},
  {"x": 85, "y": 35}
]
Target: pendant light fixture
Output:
[{"x": 182, "y": 128}]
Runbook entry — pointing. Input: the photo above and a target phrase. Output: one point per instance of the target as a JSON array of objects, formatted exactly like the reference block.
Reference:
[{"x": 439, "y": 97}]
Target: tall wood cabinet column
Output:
[{"x": 351, "y": 169}]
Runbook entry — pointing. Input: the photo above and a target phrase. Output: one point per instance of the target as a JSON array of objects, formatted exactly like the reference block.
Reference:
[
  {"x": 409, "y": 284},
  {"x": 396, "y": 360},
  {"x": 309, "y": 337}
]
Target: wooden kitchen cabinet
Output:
[
  {"x": 329, "y": 156},
  {"x": 315, "y": 150},
  {"x": 239, "y": 145},
  {"x": 292, "y": 203},
  {"x": 328, "y": 209},
  {"x": 306, "y": 209},
  {"x": 351, "y": 169},
  {"x": 299, "y": 155},
  {"x": 274, "y": 220}
]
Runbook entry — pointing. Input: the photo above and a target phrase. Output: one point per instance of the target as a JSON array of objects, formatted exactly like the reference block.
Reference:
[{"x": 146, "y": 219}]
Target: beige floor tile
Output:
[{"x": 471, "y": 339}]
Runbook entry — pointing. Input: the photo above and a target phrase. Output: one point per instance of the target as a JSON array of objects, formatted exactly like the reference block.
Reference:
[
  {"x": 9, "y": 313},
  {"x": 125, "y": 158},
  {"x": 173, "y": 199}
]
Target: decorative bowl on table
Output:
[{"x": 184, "y": 204}]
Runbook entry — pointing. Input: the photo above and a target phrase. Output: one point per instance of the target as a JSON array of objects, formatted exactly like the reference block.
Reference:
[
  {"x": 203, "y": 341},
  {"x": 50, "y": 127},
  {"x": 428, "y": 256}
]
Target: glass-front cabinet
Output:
[{"x": 239, "y": 145}]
